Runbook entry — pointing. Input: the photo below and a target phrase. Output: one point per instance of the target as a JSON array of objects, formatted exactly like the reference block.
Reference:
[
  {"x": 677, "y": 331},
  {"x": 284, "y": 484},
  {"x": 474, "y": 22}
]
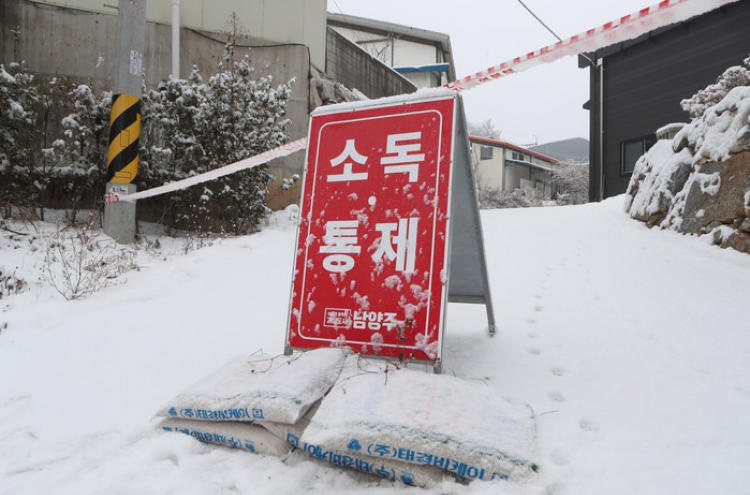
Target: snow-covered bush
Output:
[
  {"x": 572, "y": 181},
  {"x": 18, "y": 99},
  {"x": 723, "y": 128},
  {"x": 493, "y": 197},
  {"x": 71, "y": 139},
  {"x": 53, "y": 140},
  {"x": 192, "y": 126},
  {"x": 733, "y": 77},
  {"x": 85, "y": 142}
]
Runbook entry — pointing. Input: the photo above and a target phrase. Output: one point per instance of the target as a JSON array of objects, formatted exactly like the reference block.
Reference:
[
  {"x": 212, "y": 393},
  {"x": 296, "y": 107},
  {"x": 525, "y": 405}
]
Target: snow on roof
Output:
[{"x": 504, "y": 144}]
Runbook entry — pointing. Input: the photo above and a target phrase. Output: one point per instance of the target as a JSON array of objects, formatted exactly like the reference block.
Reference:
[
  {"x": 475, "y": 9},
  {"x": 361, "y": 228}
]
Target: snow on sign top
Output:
[{"x": 372, "y": 243}]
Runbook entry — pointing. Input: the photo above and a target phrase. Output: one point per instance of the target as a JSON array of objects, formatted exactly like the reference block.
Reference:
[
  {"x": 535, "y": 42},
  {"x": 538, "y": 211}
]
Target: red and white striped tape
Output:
[
  {"x": 253, "y": 161},
  {"x": 627, "y": 27}
]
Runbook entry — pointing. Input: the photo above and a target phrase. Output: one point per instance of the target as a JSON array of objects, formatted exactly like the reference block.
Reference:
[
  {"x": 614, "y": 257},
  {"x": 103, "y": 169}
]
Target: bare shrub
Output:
[
  {"x": 492, "y": 197},
  {"x": 10, "y": 284},
  {"x": 81, "y": 261},
  {"x": 572, "y": 180}
]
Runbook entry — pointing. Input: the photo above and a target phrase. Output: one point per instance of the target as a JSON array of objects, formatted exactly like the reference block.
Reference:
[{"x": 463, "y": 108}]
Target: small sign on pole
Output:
[{"x": 374, "y": 242}]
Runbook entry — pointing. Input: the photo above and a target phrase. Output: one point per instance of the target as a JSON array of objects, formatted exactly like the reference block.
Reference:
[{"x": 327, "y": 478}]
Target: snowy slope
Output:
[{"x": 631, "y": 346}]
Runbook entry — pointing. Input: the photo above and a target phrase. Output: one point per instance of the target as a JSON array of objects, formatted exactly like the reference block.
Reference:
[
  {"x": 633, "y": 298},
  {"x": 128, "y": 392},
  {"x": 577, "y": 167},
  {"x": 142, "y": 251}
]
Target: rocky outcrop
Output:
[
  {"x": 699, "y": 181},
  {"x": 713, "y": 198},
  {"x": 724, "y": 206},
  {"x": 659, "y": 177}
]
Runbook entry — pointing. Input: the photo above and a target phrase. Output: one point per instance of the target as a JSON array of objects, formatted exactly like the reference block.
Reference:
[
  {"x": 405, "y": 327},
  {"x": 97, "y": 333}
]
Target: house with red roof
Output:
[{"x": 504, "y": 166}]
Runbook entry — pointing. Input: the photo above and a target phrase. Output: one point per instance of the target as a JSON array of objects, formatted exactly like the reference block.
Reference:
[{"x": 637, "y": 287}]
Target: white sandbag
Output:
[
  {"x": 250, "y": 437},
  {"x": 252, "y": 388},
  {"x": 409, "y": 474},
  {"x": 411, "y": 416}
]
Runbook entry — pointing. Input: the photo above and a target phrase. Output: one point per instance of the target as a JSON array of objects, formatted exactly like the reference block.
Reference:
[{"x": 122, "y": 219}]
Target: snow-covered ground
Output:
[{"x": 631, "y": 345}]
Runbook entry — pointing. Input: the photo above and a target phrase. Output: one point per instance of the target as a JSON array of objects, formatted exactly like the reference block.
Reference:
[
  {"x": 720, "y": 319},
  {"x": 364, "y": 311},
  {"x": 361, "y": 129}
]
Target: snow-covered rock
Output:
[{"x": 699, "y": 182}]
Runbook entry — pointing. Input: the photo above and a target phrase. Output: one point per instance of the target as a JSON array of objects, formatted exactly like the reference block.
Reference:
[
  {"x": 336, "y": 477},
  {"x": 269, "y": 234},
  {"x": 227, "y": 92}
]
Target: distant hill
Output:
[{"x": 567, "y": 150}]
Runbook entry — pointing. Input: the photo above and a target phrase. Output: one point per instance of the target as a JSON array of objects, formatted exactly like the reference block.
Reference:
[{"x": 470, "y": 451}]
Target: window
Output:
[
  {"x": 518, "y": 156},
  {"x": 485, "y": 152},
  {"x": 632, "y": 150}
]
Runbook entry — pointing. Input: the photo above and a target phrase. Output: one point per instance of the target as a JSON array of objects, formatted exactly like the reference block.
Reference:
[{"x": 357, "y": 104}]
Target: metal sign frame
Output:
[{"x": 468, "y": 281}]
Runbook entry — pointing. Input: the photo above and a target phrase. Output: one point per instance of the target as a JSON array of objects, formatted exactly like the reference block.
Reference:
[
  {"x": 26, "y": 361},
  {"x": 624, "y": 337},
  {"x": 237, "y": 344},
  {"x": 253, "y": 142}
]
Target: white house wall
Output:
[
  {"x": 408, "y": 53},
  {"x": 421, "y": 79},
  {"x": 514, "y": 174},
  {"x": 488, "y": 173},
  {"x": 281, "y": 21},
  {"x": 396, "y": 52},
  {"x": 489, "y": 176},
  {"x": 374, "y": 44}
]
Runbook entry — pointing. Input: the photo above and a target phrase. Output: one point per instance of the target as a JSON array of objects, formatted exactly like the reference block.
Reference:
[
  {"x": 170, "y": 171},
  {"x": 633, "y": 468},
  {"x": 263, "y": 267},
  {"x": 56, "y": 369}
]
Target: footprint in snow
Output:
[
  {"x": 556, "y": 396},
  {"x": 556, "y": 488},
  {"x": 559, "y": 457},
  {"x": 559, "y": 371},
  {"x": 589, "y": 425}
]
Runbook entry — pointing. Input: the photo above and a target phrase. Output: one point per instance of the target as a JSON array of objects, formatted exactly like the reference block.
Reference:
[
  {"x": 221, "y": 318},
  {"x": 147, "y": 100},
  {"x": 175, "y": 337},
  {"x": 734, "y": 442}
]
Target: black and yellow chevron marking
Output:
[{"x": 124, "y": 131}]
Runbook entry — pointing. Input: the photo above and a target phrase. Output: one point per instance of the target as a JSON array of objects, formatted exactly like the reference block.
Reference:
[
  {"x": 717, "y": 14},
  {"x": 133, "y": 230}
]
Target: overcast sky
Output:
[{"x": 542, "y": 104}]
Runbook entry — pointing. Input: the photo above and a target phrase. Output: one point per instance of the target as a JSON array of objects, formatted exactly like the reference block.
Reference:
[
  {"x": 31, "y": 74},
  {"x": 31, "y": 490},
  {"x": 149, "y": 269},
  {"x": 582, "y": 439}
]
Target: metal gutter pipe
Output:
[{"x": 175, "y": 39}]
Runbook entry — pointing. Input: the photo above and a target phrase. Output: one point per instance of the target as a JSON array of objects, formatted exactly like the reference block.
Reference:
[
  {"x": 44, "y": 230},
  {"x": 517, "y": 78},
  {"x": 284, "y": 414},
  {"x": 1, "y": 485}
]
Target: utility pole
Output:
[{"x": 125, "y": 119}]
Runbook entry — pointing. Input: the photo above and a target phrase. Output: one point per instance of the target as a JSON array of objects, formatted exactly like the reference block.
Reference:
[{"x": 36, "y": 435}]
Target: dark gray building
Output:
[{"x": 636, "y": 87}]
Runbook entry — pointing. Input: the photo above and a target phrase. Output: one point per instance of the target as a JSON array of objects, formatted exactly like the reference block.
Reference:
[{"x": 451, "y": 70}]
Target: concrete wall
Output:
[
  {"x": 281, "y": 21},
  {"x": 81, "y": 46},
  {"x": 352, "y": 66}
]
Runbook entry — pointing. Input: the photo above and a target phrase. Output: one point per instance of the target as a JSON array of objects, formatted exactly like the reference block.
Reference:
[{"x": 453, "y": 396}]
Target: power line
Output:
[
  {"x": 551, "y": 31},
  {"x": 540, "y": 21}
]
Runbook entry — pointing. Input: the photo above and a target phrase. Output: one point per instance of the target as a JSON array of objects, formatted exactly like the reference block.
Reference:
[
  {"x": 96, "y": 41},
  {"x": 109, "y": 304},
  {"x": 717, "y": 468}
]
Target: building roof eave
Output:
[
  {"x": 504, "y": 144},
  {"x": 529, "y": 165}
]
